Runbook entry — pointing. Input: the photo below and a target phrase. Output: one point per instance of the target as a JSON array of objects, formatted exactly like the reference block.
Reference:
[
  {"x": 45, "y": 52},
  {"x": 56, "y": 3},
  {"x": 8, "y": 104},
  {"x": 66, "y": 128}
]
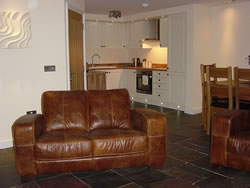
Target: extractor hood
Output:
[{"x": 155, "y": 30}]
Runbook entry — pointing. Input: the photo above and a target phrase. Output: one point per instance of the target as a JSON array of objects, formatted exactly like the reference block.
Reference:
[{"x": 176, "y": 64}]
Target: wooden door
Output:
[{"x": 76, "y": 51}]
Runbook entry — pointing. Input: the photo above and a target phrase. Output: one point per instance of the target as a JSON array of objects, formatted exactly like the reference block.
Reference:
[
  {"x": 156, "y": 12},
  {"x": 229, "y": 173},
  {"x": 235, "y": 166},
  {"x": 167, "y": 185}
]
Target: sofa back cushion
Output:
[
  {"x": 65, "y": 110},
  {"x": 109, "y": 109}
]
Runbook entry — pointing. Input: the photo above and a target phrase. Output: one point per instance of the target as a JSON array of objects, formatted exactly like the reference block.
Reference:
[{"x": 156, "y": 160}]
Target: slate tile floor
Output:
[{"x": 187, "y": 164}]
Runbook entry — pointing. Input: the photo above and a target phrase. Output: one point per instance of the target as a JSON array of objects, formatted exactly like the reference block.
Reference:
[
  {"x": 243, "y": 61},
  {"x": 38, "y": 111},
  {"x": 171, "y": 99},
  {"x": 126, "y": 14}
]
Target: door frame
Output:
[{"x": 67, "y": 7}]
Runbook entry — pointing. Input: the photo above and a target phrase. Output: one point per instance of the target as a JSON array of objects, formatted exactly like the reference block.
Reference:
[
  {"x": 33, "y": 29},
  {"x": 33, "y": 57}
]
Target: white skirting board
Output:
[{"x": 6, "y": 144}]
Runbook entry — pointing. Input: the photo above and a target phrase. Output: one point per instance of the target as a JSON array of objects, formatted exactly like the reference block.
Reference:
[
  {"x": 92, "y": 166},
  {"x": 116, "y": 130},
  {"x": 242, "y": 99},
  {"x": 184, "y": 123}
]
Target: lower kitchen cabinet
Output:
[
  {"x": 130, "y": 81},
  {"x": 177, "y": 91},
  {"x": 160, "y": 87},
  {"x": 114, "y": 79},
  {"x": 96, "y": 80}
]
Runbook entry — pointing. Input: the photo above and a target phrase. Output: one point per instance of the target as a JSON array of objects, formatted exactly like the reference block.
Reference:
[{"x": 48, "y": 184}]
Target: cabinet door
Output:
[
  {"x": 131, "y": 82},
  {"x": 177, "y": 90},
  {"x": 115, "y": 35},
  {"x": 93, "y": 39},
  {"x": 177, "y": 42},
  {"x": 113, "y": 79},
  {"x": 164, "y": 32}
]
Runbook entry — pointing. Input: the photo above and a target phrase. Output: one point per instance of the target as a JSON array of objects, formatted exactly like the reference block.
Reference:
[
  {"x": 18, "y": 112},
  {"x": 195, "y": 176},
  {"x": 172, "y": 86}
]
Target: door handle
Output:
[{"x": 71, "y": 73}]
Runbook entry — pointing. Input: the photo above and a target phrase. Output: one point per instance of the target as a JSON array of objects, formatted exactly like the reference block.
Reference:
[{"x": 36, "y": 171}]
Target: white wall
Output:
[
  {"x": 22, "y": 76},
  {"x": 231, "y": 29},
  {"x": 108, "y": 55}
]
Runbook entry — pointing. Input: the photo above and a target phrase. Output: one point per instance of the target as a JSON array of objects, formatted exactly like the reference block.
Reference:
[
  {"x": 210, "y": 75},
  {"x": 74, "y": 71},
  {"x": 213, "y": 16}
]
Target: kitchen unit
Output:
[{"x": 168, "y": 86}]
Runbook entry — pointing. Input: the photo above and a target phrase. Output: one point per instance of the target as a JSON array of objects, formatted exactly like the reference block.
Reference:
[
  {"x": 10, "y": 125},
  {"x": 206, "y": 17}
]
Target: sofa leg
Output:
[
  {"x": 153, "y": 167},
  {"x": 26, "y": 179},
  {"x": 219, "y": 167}
]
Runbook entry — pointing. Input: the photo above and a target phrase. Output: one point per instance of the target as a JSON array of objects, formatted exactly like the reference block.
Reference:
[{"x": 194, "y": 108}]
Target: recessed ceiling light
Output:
[{"x": 144, "y": 5}]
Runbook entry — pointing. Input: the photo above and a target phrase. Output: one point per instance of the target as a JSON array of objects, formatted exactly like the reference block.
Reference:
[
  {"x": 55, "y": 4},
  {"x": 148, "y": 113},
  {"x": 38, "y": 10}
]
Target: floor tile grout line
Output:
[
  {"x": 126, "y": 177},
  {"x": 58, "y": 175},
  {"x": 211, "y": 171},
  {"x": 81, "y": 180},
  {"x": 95, "y": 174}
]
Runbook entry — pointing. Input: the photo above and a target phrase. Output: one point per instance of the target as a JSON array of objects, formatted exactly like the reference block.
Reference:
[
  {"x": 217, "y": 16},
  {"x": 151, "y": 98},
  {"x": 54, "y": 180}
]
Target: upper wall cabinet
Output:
[
  {"x": 105, "y": 35},
  {"x": 177, "y": 42},
  {"x": 137, "y": 31},
  {"x": 164, "y": 32}
]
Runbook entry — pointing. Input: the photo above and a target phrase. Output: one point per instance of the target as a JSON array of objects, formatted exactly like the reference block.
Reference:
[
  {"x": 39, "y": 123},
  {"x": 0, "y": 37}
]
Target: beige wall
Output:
[
  {"x": 22, "y": 76},
  {"x": 221, "y": 36},
  {"x": 231, "y": 29}
]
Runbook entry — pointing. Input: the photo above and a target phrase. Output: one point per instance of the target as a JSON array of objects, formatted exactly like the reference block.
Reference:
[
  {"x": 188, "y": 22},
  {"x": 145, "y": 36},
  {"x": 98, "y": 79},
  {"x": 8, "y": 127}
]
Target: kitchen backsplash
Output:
[{"x": 108, "y": 55}]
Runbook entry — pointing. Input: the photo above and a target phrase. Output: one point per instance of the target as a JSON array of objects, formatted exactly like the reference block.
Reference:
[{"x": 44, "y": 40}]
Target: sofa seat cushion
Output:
[
  {"x": 70, "y": 144},
  {"x": 240, "y": 143},
  {"x": 118, "y": 141}
]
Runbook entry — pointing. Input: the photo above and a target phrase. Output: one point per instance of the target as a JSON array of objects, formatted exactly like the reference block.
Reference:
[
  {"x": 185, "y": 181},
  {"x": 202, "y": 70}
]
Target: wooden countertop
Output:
[{"x": 156, "y": 67}]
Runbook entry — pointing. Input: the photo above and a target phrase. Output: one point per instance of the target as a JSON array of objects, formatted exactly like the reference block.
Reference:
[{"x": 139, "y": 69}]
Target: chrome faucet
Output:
[{"x": 93, "y": 59}]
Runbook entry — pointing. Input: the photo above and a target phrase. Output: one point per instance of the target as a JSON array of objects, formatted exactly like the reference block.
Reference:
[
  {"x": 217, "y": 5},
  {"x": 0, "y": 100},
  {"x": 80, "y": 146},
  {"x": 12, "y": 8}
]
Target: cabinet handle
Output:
[
  {"x": 167, "y": 74},
  {"x": 159, "y": 80},
  {"x": 159, "y": 86},
  {"x": 124, "y": 46},
  {"x": 159, "y": 95},
  {"x": 159, "y": 73}
]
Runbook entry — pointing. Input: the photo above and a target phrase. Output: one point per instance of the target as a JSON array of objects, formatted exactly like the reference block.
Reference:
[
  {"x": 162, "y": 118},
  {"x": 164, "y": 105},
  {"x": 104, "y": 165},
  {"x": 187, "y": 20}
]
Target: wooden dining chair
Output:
[
  {"x": 219, "y": 86},
  {"x": 242, "y": 88},
  {"x": 204, "y": 96}
]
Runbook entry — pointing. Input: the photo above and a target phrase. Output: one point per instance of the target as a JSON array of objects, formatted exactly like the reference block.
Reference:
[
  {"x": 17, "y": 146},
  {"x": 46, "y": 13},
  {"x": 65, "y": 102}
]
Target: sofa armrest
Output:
[
  {"x": 225, "y": 124},
  {"x": 25, "y": 131},
  {"x": 152, "y": 123}
]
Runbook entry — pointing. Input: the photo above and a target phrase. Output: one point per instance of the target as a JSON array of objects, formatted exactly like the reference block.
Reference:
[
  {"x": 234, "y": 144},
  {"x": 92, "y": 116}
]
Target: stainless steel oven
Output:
[{"x": 144, "y": 82}]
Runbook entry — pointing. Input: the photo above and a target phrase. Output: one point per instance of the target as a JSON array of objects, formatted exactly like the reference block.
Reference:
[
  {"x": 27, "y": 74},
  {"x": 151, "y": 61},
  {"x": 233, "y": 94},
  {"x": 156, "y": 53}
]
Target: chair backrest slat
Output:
[{"x": 242, "y": 90}]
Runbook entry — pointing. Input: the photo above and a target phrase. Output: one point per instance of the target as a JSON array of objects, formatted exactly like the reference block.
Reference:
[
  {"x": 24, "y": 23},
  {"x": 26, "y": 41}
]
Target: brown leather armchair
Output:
[
  {"x": 87, "y": 130},
  {"x": 230, "y": 141}
]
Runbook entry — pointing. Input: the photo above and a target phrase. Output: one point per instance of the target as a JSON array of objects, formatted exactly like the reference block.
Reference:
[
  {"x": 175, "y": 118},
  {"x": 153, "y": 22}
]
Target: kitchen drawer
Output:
[
  {"x": 161, "y": 95},
  {"x": 160, "y": 86},
  {"x": 160, "y": 80},
  {"x": 160, "y": 74}
]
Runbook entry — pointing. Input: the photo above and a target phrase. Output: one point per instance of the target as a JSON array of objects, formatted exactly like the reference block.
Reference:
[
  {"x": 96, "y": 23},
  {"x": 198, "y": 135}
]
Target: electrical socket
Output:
[{"x": 31, "y": 112}]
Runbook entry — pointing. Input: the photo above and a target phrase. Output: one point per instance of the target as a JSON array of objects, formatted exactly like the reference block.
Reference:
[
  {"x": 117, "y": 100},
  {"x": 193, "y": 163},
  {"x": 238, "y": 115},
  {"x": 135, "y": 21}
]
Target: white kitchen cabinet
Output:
[
  {"x": 115, "y": 35},
  {"x": 94, "y": 33},
  {"x": 137, "y": 31},
  {"x": 177, "y": 42},
  {"x": 161, "y": 87},
  {"x": 177, "y": 59},
  {"x": 130, "y": 81},
  {"x": 115, "y": 79},
  {"x": 164, "y": 32},
  {"x": 177, "y": 91},
  {"x": 105, "y": 35}
]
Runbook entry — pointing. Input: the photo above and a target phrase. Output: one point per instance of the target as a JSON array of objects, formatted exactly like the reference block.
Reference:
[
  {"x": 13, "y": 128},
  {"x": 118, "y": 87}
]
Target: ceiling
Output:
[{"x": 130, "y": 7}]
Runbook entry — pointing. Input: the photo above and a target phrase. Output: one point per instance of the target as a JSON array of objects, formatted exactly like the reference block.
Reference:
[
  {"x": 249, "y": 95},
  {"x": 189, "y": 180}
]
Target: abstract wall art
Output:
[{"x": 15, "y": 29}]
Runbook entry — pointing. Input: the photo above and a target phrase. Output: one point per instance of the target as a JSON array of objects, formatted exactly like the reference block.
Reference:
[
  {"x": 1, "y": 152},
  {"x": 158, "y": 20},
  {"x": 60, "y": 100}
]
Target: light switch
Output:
[{"x": 49, "y": 68}]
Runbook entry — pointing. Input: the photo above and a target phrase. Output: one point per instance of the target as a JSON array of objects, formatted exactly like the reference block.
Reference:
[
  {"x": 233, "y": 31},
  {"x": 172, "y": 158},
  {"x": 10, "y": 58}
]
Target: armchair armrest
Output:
[
  {"x": 25, "y": 131},
  {"x": 229, "y": 122},
  {"x": 152, "y": 123},
  {"x": 225, "y": 124}
]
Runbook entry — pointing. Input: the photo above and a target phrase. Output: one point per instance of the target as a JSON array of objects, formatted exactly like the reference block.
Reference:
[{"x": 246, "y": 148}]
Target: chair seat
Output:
[
  {"x": 68, "y": 144},
  {"x": 118, "y": 141},
  {"x": 240, "y": 143}
]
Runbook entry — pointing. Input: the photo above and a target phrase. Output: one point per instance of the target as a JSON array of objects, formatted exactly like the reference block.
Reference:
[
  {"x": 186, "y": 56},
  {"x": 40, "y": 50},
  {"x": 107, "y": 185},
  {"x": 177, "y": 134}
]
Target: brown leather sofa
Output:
[
  {"x": 87, "y": 130},
  {"x": 230, "y": 142}
]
